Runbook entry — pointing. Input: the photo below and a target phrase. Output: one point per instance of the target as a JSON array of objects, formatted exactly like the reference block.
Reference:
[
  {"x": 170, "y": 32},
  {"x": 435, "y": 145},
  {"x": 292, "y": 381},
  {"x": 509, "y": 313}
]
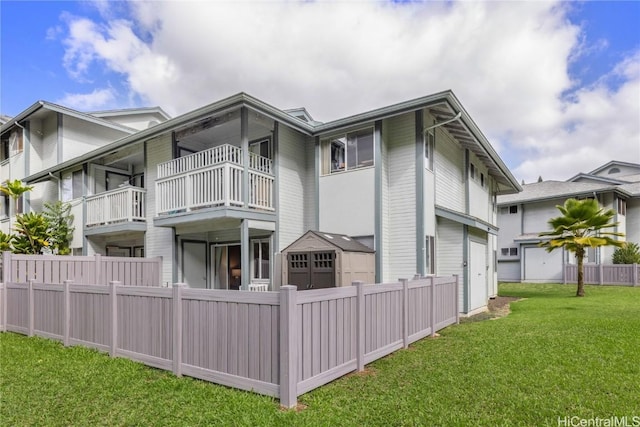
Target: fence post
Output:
[
  {"x": 113, "y": 297},
  {"x": 457, "y": 299},
  {"x": 288, "y": 347},
  {"x": 177, "y": 328},
  {"x": 433, "y": 306},
  {"x": 31, "y": 307},
  {"x": 565, "y": 272},
  {"x": 6, "y": 267},
  {"x": 360, "y": 323},
  {"x": 405, "y": 312},
  {"x": 3, "y": 307},
  {"x": 66, "y": 312},
  {"x": 600, "y": 274},
  {"x": 634, "y": 274},
  {"x": 97, "y": 260}
]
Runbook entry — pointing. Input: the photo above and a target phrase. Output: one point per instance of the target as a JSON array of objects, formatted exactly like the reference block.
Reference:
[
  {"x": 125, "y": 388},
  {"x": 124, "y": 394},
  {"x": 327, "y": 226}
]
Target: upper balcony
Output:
[
  {"x": 122, "y": 209},
  {"x": 214, "y": 178}
]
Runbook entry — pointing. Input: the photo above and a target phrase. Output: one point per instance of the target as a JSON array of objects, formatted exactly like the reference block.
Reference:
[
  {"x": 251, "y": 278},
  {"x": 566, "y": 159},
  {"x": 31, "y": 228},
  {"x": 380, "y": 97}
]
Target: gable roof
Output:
[
  {"x": 444, "y": 105},
  {"x": 340, "y": 241},
  {"x": 548, "y": 190},
  {"x": 67, "y": 111},
  {"x": 615, "y": 163},
  {"x": 131, "y": 111}
]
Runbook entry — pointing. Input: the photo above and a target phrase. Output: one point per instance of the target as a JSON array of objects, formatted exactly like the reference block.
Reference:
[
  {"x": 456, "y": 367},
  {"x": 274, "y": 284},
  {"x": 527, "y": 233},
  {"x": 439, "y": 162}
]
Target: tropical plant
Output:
[
  {"x": 581, "y": 226},
  {"x": 14, "y": 188},
  {"x": 5, "y": 241},
  {"x": 33, "y": 233},
  {"x": 60, "y": 222},
  {"x": 627, "y": 254}
]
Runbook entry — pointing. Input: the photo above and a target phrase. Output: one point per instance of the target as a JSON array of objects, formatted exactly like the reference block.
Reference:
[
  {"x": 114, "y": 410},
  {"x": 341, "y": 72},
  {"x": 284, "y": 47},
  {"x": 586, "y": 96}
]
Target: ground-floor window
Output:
[
  {"x": 430, "y": 255},
  {"x": 260, "y": 257}
]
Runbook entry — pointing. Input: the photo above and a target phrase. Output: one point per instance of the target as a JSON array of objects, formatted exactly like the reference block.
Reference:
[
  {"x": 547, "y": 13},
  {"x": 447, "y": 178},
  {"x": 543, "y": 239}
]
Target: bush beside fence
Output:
[
  {"x": 604, "y": 274},
  {"x": 282, "y": 344}
]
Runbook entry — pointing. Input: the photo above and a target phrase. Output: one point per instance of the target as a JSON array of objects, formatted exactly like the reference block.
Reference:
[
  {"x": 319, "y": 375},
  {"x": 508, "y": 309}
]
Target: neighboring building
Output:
[
  {"x": 45, "y": 135},
  {"x": 523, "y": 216},
  {"x": 220, "y": 191}
]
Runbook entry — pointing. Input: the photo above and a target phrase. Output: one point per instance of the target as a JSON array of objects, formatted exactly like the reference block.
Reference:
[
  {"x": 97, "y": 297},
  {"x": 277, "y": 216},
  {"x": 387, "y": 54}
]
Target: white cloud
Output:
[
  {"x": 99, "y": 98},
  {"x": 506, "y": 61}
]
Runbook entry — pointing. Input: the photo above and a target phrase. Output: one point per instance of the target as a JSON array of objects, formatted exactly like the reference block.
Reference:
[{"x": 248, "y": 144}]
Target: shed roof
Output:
[{"x": 340, "y": 241}]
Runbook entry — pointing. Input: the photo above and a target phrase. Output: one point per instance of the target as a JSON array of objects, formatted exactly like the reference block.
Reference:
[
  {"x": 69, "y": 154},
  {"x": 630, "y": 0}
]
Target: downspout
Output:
[{"x": 453, "y": 119}]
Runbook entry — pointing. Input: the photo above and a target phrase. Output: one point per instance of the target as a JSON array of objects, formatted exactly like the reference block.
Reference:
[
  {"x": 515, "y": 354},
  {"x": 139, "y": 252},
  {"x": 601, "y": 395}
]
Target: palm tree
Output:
[
  {"x": 580, "y": 227},
  {"x": 14, "y": 189}
]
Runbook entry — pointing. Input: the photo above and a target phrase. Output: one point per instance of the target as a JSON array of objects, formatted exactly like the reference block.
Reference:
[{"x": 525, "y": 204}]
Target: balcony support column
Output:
[
  {"x": 244, "y": 144},
  {"x": 245, "y": 262}
]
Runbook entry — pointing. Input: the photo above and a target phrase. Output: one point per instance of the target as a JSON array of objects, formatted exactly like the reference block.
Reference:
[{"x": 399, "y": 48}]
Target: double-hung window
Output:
[
  {"x": 348, "y": 152},
  {"x": 72, "y": 185}
]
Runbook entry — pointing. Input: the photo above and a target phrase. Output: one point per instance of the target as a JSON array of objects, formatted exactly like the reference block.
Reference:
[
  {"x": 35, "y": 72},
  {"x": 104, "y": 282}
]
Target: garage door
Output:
[{"x": 542, "y": 266}]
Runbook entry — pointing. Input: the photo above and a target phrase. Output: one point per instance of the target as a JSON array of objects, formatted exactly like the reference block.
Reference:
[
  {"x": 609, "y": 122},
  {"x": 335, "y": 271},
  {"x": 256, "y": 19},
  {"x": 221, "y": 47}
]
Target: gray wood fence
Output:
[
  {"x": 101, "y": 270},
  {"x": 604, "y": 274},
  {"x": 282, "y": 344}
]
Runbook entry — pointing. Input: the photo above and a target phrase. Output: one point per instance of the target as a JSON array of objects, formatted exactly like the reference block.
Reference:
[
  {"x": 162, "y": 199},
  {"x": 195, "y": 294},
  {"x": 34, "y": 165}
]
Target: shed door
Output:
[{"x": 312, "y": 270}]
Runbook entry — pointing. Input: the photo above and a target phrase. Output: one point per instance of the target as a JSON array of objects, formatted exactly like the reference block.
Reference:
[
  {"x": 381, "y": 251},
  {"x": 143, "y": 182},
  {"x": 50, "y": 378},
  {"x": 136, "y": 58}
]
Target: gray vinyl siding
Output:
[
  {"x": 384, "y": 216},
  {"x": 509, "y": 271},
  {"x": 402, "y": 197},
  {"x": 536, "y": 215},
  {"x": 310, "y": 188},
  {"x": 49, "y": 152},
  {"x": 449, "y": 167},
  {"x": 633, "y": 220},
  {"x": 292, "y": 185},
  {"x": 449, "y": 248},
  {"x": 479, "y": 201},
  {"x": 80, "y": 137},
  {"x": 159, "y": 240}
]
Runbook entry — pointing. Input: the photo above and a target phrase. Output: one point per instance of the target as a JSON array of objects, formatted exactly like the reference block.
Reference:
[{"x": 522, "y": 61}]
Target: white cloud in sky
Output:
[
  {"x": 88, "y": 101},
  {"x": 506, "y": 61}
]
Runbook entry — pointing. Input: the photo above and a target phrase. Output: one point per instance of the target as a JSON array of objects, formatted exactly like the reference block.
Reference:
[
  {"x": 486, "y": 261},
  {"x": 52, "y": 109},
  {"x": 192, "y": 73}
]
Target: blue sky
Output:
[{"x": 555, "y": 86}]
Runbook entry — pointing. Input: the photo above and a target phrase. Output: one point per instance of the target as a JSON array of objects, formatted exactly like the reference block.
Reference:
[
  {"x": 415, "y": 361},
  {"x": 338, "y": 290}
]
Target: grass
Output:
[{"x": 555, "y": 355}]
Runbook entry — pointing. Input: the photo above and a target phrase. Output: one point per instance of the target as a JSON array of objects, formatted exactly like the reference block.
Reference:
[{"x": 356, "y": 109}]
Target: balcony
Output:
[
  {"x": 117, "y": 207},
  {"x": 214, "y": 178}
]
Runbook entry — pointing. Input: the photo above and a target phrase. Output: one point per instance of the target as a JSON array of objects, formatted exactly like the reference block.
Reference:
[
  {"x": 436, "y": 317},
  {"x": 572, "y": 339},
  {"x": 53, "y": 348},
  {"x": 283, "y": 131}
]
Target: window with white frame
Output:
[
  {"x": 16, "y": 142},
  {"x": 509, "y": 251},
  {"x": 72, "y": 185},
  {"x": 622, "y": 207},
  {"x": 260, "y": 257},
  {"x": 430, "y": 255},
  {"x": 4, "y": 206},
  {"x": 351, "y": 151},
  {"x": 429, "y": 143}
]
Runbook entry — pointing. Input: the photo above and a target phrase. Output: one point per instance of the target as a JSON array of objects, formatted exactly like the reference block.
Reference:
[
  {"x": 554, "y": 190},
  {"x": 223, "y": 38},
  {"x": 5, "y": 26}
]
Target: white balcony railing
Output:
[
  {"x": 126, "y": 204},
  {"x": 202, "y": 159},
  {"x": 213, "y": 178}
]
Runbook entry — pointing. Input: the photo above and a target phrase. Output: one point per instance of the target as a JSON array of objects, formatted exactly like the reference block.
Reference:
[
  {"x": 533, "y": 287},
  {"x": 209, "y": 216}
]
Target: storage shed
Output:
[{"x": 324, "y": 260}]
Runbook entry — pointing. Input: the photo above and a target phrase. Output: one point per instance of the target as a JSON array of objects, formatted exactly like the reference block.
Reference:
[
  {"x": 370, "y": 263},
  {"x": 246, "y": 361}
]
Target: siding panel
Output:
[{"x": 402, "y": 197}]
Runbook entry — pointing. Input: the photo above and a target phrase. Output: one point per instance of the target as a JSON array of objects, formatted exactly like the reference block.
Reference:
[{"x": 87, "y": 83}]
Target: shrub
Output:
[{"x": 628, "y": 254}]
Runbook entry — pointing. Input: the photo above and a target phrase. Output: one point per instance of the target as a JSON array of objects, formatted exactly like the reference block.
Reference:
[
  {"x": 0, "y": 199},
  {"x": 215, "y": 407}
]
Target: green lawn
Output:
[{"x": 555, "y": 355}]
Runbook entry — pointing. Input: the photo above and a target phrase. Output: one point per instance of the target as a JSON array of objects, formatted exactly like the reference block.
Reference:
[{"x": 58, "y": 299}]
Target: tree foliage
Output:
[
  {"x": 32, "y": 233},
  {"x": 15, "y": 188},
  {"x": 37, "y": 231},
  {"x": 60, "y": 222},
  {"x": 581, "y": 226},
  {"x": 627, "y": 254}
]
